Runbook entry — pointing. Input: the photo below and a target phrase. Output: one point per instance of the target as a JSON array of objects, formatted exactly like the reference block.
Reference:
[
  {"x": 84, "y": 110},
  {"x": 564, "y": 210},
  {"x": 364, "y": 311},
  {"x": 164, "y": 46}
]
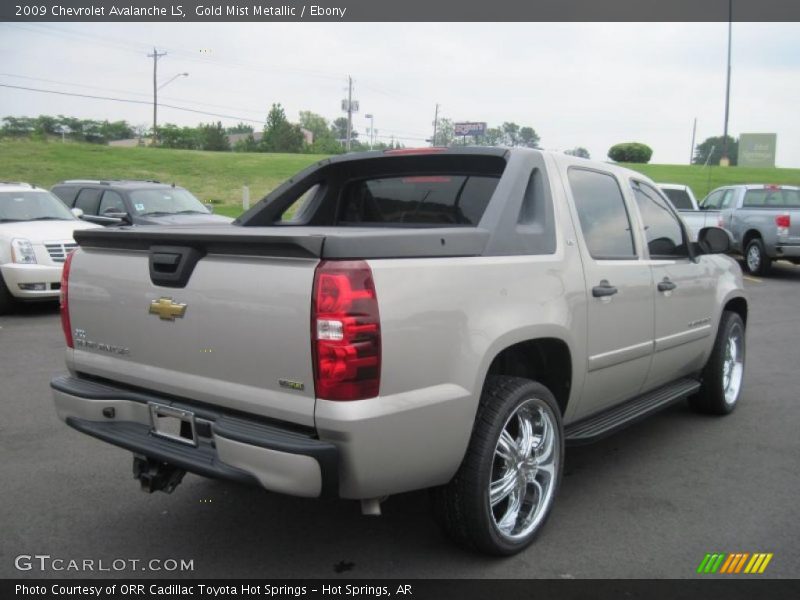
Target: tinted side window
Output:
[
  {"x": 88, "y": 201},
  {"x": 66, "y": 194},
  {"x": 111, "y": 202},
  {"x": 662, "y": 229},
  {"x": 602, "y": 213},
  {"x": 679, "y": 198}
]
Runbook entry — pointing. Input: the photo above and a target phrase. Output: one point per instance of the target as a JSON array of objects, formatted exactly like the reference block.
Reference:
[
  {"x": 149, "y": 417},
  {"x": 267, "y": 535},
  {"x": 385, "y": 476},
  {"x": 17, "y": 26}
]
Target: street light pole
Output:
[
  {"x": 371, "y": 129},
  {"x": 155, "y": 56},
  {"x": 724, "y": 160}
]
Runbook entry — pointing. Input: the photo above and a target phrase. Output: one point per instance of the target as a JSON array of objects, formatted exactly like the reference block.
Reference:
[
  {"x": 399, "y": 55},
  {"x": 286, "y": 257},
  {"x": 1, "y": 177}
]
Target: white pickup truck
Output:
[{"x": 385, "y": 322}]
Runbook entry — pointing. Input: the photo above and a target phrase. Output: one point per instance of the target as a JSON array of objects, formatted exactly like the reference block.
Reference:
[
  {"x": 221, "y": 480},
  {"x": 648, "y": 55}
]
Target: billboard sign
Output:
[
  {"x": 757, "y": 149},
  {"x": 465, "y": 129}
]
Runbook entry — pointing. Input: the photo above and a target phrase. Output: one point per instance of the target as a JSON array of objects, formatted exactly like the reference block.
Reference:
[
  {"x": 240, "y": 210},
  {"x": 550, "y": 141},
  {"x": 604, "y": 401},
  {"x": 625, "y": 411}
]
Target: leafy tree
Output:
[
  {"x": 248, "y": 144},
  {"x": 240, "y": 128},
  {"x": 578, "y": 151},
  {"x": 18, "y": 126},
  {"x": 172, "y": 136},
  {"x": 493, "y": 136},
  {"x": 279, "y": 134},
  {"x": 339, "y": 129},
  {"x": 116, "y": 130},
  {"x": 213, "y": 137},
  {"x": 631, "y": 152},
  {"x": 528, "y": 137},
  {"x": 510, "y": 133},
  {"x": 713, "y": 146},
  {"x": 324, "y": 140},
  {"x": 445, "y": 133}
]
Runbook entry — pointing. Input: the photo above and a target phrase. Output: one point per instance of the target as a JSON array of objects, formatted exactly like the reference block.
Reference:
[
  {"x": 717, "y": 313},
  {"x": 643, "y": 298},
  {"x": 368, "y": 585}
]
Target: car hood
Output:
[
  {"x": 183, "y": 220},
  {"x": 42, "y": 231}
]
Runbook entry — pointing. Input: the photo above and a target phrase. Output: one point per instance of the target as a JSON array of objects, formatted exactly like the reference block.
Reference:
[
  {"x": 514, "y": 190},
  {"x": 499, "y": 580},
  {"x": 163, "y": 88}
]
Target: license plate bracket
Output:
[{"x": 173, "y": 423}]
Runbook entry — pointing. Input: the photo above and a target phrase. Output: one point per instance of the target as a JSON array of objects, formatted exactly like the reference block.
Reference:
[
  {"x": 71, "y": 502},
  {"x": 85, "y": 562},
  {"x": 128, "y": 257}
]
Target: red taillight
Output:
[
  {"x": 406, "y": 151},
  {"x": 65, "y": 323},
  {"x": 345, "y": 331},
  {"x": 783, "y": 221}
]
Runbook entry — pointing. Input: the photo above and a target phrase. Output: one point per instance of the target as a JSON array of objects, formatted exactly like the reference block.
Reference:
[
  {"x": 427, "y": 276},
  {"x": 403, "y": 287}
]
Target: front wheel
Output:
[
  {"x": 504, "y": 489},
  {"x": 755, "y": 258},
  {"x": 723, "y": 374}
]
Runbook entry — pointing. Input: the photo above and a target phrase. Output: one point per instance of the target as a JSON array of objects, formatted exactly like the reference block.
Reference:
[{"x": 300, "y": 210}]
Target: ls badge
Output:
[{"x": 166, "y": 309}]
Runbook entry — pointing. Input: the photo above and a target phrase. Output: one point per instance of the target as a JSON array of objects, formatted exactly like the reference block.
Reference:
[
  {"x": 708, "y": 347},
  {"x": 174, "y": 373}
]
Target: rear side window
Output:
[
  {"x": 88, "y": 201},
  {"x": 679, "y": 198},
  {"x": 417, "y": 200},
  {"x": 604, "y": 219},
  {"x": 772, "y": 198}
]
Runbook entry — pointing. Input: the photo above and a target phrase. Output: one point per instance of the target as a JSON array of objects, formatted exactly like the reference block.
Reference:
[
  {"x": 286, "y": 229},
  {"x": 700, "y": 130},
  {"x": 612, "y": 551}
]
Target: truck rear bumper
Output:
[
  {"x": 243, "y": 449},
  {"x": 787, "y": 251}
]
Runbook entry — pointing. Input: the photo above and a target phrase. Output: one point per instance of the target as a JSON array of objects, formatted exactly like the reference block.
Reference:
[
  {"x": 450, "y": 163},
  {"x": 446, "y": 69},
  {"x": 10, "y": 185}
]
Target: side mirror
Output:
[
  {"x": 714, "y": 240},
  {"x": 210, "y": 207},
  {"x": 77, "y": 212},
  {"x": 106, "y": 221}
]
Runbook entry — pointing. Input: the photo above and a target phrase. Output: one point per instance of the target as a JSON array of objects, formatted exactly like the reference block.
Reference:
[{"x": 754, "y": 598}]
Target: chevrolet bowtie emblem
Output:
[{"x": 166, "y": 309}]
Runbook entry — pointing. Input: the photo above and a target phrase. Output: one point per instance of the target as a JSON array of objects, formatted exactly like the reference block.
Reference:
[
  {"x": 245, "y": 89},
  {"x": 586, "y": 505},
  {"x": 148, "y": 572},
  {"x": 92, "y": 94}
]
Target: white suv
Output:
[{"x": 35, "y": 238}]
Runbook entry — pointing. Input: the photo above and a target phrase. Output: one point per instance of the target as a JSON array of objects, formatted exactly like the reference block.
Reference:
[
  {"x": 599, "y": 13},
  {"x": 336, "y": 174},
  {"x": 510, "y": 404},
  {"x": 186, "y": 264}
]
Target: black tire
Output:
[
  {"x": 714, "y": 397},
  {"x": 7, "y": 301},
  {"x": 463, "y": 508},
  {"x": 756, "y": 260}
]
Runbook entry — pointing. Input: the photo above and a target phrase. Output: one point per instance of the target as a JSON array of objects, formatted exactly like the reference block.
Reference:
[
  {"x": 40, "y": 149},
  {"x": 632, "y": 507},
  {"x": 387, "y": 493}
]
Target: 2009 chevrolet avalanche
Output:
[{"x": 383, "y": 322}]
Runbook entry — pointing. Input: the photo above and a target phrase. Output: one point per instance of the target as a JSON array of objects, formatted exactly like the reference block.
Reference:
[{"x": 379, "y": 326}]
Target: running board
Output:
[{"x": 613, "y": 419}]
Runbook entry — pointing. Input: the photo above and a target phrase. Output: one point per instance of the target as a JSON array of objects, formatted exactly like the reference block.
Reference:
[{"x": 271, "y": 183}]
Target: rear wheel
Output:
[
  {"x": 723, "y": 375},
  {"x": 755, "y": 258},
  {"x": 6, "y": 299},
  {"x": 504, "y": 490}
]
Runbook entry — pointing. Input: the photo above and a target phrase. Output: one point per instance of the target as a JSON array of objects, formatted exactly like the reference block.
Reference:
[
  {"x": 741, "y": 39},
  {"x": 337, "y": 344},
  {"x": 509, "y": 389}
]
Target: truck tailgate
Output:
[{"x": 243, "y": 341}]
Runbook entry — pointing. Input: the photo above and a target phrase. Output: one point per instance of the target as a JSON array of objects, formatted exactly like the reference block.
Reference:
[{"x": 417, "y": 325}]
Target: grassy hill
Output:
[
  {"x": 219, "y": 176},
  {"x": 212, "y": 176}
]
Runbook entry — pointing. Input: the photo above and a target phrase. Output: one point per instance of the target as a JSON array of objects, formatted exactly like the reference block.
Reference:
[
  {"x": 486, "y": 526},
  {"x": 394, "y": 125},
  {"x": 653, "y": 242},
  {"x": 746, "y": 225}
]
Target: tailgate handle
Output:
[
  {"x": 165, "y": 263},
  {"x": 172, "y": 266}
]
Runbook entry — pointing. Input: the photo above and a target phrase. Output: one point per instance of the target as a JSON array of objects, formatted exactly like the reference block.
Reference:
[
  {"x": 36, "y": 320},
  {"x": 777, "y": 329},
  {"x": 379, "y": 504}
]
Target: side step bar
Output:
[{"x": 607, "y": 422}]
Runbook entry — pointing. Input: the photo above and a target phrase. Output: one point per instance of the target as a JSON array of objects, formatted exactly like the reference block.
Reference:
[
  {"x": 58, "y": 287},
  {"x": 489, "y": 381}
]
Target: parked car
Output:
[
  {"x": 130, "y": 202},
  {"x": 763, "y": 219},
  {"x": 35, "y": 237},
  {"x": 425, "y": 318}
]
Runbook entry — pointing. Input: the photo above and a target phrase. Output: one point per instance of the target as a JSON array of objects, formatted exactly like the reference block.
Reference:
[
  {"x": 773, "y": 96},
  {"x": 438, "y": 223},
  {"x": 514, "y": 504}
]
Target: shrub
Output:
[{"x": 631, "y": 152}]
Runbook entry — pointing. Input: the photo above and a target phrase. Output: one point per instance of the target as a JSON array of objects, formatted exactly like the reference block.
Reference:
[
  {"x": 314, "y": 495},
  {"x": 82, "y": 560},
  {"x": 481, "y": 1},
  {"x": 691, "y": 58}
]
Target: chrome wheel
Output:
[
  {"x": 753, "y": 258},
  {"x": 733, "y": 364},
  {"x": 524, "y": 470}
]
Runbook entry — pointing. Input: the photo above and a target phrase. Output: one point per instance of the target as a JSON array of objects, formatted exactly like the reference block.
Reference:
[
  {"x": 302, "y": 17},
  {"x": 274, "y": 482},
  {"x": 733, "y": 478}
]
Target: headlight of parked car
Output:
[{"x": 22, "y": 251}]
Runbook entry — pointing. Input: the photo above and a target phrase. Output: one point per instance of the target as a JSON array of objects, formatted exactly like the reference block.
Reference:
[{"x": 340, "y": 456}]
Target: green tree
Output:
[
  {"x": 172, "y": 136},
  {"x": 510, "y": 133},
  {"x": 240, "y": 128},
  {"x": 711, "y": 150},
  {"x": 323, "y": 138},
  {"x": 339, "y": 130},
  {"x": 445, "y": 133},
  {"x": 631, "y": 152},
  {"x": 248, "y": 144},
  {"x": 213, "y": 137},
  {"x": 528, "y": 137},
  {"x": 578, "y": 151},
  {"x": 279, "y": 134}
]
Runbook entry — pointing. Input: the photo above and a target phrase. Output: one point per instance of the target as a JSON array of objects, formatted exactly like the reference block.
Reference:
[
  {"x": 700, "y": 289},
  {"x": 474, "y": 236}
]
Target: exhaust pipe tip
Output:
[{"x": 371, "y": 507}]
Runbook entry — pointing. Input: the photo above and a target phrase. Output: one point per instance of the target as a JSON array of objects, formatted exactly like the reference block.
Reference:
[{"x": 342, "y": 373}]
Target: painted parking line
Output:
[{"x": 753, "y": 279}]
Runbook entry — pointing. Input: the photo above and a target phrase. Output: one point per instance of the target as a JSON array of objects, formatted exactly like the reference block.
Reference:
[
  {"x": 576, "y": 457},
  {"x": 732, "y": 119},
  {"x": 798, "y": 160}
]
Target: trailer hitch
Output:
[{"x": 156, "y": 476}]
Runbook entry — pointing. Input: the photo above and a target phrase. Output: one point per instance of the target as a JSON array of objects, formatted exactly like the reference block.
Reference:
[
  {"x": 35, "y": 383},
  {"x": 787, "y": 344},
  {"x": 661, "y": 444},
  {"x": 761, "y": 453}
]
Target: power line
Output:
[{"x": 129, "y": 101}]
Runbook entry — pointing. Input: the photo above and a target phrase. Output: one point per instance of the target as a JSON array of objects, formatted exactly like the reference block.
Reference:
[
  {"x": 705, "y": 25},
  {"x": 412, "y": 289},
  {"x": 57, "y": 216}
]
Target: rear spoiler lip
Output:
[{"x": 296, "y": 242}]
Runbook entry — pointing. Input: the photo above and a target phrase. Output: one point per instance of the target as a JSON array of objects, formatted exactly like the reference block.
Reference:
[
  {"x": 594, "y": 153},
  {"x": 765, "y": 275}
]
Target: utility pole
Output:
[
  {"x": 155, "y": 56},
  {"x": 724, "y": 161},
  {"x": 435, "y": 125},
  {"x": 349, "y": 111},
  {"x": 691, "y": 150}
]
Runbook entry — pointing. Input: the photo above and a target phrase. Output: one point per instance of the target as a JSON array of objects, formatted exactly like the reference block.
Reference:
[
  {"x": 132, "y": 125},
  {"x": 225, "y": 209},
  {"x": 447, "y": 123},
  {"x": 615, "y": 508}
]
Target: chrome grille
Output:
[{"x": 58, "y": 250}]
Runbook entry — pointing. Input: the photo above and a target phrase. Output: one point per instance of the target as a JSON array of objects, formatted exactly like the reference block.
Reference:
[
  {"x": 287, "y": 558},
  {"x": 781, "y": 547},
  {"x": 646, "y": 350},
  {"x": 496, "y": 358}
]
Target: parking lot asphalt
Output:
[{"x": 648, "y": 502}]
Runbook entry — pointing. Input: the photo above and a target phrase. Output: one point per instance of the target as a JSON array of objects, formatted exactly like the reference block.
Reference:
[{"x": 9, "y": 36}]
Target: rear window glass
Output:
[
  {"x": 444, "y": 200},
  {"x": 679, "y": 198},
  {"x": 772, "y": 198}
]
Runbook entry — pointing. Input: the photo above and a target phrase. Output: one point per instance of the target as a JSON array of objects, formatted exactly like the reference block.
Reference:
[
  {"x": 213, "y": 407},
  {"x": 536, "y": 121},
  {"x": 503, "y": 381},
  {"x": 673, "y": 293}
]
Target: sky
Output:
[{"x": 577, "y": 84}]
